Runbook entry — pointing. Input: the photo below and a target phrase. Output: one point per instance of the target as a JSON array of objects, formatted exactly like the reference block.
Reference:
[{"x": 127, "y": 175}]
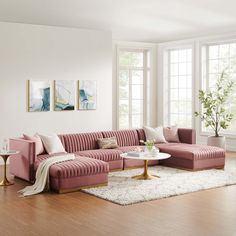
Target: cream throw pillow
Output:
[
  {"x": 107, "y": 143},
  {"x": 52, "y": 143},
  {"x": 155, "y": 134}
]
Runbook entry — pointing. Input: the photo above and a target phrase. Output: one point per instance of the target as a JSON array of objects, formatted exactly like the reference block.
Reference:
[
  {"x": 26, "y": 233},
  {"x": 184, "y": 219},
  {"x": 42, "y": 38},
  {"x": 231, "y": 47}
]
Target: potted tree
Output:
[{"x": 215, "y": 113}]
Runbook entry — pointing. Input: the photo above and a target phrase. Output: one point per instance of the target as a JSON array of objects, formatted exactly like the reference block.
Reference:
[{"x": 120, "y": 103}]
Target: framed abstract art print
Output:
[
  {"x": 64, "y": 95},
  {"x": 87, "y": 93},
  {"x": 39, "y": 96}
]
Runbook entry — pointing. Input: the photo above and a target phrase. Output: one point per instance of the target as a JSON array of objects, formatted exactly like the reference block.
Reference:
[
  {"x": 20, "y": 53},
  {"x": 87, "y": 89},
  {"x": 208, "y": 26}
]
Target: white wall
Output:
[{"x": 33, "y": 52}]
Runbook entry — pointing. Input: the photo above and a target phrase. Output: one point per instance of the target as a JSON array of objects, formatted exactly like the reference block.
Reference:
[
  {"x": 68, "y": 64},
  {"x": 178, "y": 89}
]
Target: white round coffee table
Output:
[{"x": 146, "y": 157}]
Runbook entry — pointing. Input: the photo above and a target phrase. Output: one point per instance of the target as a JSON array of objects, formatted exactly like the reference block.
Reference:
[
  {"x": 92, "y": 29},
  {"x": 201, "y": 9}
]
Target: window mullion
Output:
[
  {"x": 118, "y": 90},
  {"x": 169, "y": 85},
  {"x": 145, "y": 99},
  {"x": 130, "y": 98}
]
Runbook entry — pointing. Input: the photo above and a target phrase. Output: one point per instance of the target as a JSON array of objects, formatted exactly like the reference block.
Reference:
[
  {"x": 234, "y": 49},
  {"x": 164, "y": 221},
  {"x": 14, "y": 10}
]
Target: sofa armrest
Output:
[
  {"x": 22, "y": 164},
  {"x": 187, "y": 135}
]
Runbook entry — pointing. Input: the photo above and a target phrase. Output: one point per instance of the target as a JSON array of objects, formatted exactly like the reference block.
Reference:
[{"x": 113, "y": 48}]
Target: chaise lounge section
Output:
[
  {"x": 187, "y": 154},
  {"x": 91, "y": 166},
  {"x": 83, "y": 172}
]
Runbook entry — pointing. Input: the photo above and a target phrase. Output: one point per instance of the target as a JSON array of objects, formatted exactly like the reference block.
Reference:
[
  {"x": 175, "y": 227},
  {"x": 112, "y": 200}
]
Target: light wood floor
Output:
[{"x": 210, "y": 212}]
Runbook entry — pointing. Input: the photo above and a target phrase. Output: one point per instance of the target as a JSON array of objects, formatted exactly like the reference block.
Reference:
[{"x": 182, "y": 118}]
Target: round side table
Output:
[{"x": 5, "y": 155}]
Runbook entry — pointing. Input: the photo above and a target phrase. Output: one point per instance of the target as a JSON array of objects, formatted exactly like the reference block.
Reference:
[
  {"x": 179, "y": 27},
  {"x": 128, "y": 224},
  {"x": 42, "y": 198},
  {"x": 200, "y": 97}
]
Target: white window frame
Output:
[
  {"x": 197, "y": 80},
  {"x": 169, "y": 82},
  {"x": 206, "y": 43},
  {"x": 130, "y": 69},
  {"x": 164, "y": 73},
  {"x": 147, "y": 105}
]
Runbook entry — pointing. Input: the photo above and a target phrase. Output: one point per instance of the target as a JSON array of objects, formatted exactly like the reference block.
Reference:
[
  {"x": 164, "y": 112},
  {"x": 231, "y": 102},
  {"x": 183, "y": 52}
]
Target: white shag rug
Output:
[{"x": 124, "y": 190}]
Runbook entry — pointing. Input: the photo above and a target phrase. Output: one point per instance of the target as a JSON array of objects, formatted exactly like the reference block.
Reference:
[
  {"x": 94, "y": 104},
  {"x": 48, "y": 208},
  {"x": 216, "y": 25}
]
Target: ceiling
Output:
[{"x": 132, "y": 20}]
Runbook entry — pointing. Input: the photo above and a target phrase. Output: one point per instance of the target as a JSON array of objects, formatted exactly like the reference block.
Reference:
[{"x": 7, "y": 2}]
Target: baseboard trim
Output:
[{"x": 229, "y": 148}]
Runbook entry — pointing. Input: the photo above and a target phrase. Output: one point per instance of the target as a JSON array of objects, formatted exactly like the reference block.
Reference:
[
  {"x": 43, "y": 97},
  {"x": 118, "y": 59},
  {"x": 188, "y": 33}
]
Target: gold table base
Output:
[
  {"x": 145, "y": 175},
  {"x": 5, "y": 181}
]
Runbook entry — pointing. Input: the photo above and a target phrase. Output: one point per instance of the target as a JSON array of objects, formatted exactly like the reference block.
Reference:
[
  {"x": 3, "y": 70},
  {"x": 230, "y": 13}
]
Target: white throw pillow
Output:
[
  {"x": 52, "y": 143},
  {"x": 155, "y": 134}
]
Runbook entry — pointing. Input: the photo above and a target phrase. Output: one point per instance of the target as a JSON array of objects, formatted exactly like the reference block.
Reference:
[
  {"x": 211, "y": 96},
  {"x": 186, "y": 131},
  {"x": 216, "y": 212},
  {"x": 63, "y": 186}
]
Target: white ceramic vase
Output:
[
  {"x": 216, "y": 141},
  {"x": 153, "y": 152}
]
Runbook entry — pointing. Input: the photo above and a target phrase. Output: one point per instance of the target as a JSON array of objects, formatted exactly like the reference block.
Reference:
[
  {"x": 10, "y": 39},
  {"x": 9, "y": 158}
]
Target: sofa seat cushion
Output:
[
  {"x": 106, "y": 155},
  {"x": 130, "y": 148},
  {"x": 43, "y": 157},
  {"x": 191, "y": 151},
  {"x": 80, "y": 166}
]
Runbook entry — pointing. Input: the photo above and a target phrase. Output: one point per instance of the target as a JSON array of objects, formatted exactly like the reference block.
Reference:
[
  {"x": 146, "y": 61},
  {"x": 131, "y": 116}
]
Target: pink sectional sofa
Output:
[
  {"x": 91, "y": 166},
  {"x": 189, "y": 155}
]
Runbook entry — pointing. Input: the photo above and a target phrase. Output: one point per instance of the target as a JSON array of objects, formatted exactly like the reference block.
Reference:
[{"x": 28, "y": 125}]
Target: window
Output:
[
  {"x": 179, "y": 87},
  {"x": 217, "y": 58},
  {"x": 133, "y": 76}
]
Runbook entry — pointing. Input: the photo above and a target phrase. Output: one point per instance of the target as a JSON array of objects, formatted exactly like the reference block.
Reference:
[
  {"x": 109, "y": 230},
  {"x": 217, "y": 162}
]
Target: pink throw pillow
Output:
[
  {"x": 171, "y": 134},
  {"x": 39, "y": 149}
]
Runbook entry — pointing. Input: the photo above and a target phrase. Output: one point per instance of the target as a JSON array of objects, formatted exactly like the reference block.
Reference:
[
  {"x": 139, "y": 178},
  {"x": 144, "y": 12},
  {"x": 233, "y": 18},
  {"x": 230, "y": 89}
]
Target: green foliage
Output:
[
  {"x": 130, "y": 58},
  {"x": 214, "y": 104},
  {"x": 149, "y": 144}
]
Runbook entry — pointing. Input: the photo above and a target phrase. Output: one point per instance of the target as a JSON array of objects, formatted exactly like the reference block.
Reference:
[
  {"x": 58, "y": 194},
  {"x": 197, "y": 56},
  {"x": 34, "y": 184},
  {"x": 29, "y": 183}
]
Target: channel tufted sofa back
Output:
[
  {"x": 124, "y": 137},
  {"x": 80, "y": 142},
  {"x": 88, "y": 141}
]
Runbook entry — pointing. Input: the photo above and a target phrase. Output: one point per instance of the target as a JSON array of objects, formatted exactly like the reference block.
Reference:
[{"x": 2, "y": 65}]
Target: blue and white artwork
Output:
[
  {"x": 87, "y": 95},
  {"x": 39, "y": 96},
  {"x": 64, "y": 95}
]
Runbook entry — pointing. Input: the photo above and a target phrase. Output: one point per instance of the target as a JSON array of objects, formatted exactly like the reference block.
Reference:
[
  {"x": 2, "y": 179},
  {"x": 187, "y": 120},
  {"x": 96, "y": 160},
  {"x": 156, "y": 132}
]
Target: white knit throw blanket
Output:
[{"x": 42, "y": 174}]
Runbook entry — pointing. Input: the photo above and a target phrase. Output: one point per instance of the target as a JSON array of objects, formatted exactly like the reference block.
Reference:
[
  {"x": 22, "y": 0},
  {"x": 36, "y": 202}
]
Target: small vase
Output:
[
  {"x": 5, "y": 146},
  {"x": 154, "y": 151},
  {"x": 148, "y": 149},
  {"x": 151, "y": 151}
]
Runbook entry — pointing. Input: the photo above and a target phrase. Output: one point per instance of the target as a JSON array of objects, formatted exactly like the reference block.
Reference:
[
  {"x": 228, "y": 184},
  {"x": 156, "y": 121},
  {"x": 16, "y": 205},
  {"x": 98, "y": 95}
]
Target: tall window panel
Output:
[
  {"x": 217, "y": 58},
  {"x": 133, "y": 73},
  {"x": 180, "y": 87}
]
